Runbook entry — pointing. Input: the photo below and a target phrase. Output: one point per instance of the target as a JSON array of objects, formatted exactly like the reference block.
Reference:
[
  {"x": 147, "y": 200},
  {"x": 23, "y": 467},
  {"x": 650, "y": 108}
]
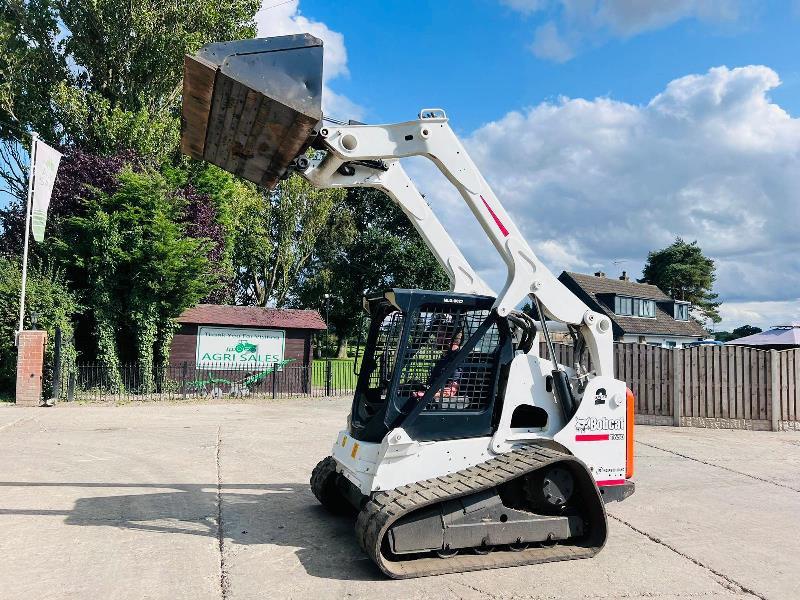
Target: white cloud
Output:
[
  {"x": 548, "y": 44},
  {"x": 565, "y": 254},
  {"x": 526, "y": 6},
  {"x": 589, "y": 22},
  {"x": 284, "y": 19},
  {"x": 340, "y": 106},
  {"x": 591, "y": 182},
  {"x": 629, "y": 17},
  {"x": 761, "y": 314}
]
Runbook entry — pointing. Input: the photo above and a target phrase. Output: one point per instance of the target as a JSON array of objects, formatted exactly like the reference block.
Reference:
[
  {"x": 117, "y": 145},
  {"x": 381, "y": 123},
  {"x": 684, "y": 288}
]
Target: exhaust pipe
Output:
[{"x": 252, "y": 106}]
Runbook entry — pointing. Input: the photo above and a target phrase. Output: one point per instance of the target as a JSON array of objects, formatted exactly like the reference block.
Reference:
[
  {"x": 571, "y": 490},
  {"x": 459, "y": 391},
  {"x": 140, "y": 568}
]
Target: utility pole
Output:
[{"x": 34, "y": 137}]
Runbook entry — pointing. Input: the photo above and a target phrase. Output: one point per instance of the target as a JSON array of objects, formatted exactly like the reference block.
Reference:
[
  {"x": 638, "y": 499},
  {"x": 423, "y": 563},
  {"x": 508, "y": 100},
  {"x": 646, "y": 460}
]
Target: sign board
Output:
[{"x": 218, "y": 347}]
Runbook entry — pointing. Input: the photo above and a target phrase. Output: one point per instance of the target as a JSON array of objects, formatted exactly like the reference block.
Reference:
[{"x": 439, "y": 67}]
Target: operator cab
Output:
[{"x": 433, "y": 363}]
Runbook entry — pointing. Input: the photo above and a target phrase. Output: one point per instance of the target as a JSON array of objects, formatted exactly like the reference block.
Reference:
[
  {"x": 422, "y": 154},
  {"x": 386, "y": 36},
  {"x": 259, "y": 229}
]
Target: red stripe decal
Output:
[
  {"x": 592, "y": 437},
  {"x": 502, "y": 227},
  {"x": 611, "y": 482}
]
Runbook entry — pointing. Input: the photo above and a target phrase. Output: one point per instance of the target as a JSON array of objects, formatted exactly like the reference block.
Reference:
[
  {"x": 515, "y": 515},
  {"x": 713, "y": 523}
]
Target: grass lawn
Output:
[{"x": 342, "y": 376}]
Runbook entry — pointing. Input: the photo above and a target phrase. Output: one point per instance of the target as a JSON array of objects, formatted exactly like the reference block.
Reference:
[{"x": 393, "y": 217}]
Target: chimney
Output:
[
  {"x": 624, "y": 276},
  {"x": 599, "y": 274}
]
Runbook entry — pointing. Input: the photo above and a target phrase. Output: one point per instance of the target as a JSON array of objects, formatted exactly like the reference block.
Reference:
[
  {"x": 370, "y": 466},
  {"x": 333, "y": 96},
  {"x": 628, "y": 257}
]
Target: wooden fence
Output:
[{"x": 708, "y": 386}]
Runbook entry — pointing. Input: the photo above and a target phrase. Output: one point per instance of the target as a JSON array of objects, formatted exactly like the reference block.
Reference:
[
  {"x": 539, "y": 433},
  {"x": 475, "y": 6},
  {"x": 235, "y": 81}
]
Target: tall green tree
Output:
[
  {"x": 102, "y": 75},
  {"x": 371, "y": 246},
  {"x": 739, "y": 332},
  {"x": 30, "y": 67},
  {"x": 275, "y": 235},
  {"x": 131, "y": 53},
  {"x": 685, "y": 273},
  {"x": 139, "y": 270}
]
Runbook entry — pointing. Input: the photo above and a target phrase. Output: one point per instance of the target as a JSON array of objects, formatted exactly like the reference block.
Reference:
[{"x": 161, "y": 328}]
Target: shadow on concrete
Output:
[{"x": 273, "y": 514}]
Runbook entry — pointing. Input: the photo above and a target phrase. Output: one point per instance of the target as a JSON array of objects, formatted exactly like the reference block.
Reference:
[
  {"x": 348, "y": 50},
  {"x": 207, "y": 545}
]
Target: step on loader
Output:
[{"x": 464, "y": 448}]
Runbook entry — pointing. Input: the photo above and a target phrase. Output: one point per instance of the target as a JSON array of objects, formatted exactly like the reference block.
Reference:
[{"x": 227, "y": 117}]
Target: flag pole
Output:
[{"x": 31, "y": 169}]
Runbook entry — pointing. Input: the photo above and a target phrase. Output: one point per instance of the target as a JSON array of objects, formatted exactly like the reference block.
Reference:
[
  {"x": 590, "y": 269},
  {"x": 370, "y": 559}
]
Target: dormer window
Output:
[
  {"x": 634, "y": 307},
  {"x": 623, "y": 306},
  {"x": 681, "y": 312}
]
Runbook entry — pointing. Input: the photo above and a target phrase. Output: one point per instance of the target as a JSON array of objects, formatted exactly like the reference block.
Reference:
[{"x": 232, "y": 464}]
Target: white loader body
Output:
[{"x": 596, "y": 434}]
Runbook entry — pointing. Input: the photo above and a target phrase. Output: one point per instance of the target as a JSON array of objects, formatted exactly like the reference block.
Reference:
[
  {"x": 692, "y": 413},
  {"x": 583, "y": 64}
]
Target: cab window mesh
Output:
[
  {"x": 435, "y": 336},
  {"x": 386, "y": 351}
]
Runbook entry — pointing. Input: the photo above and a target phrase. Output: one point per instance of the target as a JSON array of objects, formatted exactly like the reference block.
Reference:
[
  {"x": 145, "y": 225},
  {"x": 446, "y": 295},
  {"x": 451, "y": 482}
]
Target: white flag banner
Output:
[{"x": 44, "y": 170}]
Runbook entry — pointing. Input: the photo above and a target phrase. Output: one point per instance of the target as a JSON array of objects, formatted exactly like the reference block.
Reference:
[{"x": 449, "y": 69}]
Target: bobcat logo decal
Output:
[{"x": 598, "y": 424}]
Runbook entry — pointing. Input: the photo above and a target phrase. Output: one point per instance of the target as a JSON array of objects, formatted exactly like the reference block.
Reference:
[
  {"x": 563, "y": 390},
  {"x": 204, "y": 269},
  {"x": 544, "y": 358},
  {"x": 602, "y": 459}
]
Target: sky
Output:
[{"x": 607, "y": 128}]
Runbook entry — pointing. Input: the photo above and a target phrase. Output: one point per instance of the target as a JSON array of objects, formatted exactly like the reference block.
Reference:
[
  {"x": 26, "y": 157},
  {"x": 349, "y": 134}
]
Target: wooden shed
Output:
[
  {"x": 213, "y": 333},
  {"x": 247, "y": 348}
]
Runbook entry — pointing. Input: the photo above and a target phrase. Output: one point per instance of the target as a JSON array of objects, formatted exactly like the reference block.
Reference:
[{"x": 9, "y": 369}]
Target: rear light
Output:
[{"x": 630, "y": 401}]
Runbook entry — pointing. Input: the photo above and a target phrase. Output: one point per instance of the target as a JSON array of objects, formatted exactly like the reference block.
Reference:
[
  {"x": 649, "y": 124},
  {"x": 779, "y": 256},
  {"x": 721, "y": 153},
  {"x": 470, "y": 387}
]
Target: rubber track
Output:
[{"x": 384, "y": 508}]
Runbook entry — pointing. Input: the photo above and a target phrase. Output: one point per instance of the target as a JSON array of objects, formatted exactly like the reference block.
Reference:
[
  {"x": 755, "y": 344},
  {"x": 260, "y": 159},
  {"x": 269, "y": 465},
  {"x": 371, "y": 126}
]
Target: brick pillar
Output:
[{"x": 30, "y": 363}]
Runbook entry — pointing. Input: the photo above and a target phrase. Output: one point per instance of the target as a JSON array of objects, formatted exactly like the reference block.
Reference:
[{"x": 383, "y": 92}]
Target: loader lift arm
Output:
[
  {"x": 431, "y": 136},
  {"x": 395, "y": 183}
]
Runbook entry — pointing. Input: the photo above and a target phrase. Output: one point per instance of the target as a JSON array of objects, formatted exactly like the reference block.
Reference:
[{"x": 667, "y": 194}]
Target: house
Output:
[{"x": 639, "y": 312}]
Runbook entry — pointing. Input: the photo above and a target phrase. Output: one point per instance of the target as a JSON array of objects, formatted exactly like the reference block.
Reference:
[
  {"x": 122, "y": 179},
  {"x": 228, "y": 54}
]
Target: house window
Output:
[
  {"x": 644, "y": 308},
  {"x": 681, "y": 312},
  {"x": 634, "y": 307},
  {"x": 623, "y": 306}
]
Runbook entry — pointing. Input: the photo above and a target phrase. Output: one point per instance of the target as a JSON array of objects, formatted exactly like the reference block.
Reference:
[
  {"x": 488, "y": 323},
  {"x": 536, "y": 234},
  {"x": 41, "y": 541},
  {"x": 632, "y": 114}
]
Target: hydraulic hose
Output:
[{"x": 561, "y": 387}]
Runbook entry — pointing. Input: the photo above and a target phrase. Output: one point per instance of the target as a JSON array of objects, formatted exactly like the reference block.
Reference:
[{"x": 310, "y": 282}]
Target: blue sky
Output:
[
  {"x": 606, "y": 127},
  {"x": 473, "y": 57}
]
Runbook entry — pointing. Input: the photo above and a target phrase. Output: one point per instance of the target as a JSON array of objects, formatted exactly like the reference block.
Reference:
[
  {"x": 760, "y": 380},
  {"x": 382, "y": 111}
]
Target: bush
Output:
[{"x": 48, "y": 296}]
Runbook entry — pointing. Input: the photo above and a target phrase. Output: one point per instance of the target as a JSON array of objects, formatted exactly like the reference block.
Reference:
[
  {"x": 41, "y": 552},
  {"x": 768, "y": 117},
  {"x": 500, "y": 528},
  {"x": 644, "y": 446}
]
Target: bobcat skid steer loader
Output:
[{"x": 464, "y": 448}]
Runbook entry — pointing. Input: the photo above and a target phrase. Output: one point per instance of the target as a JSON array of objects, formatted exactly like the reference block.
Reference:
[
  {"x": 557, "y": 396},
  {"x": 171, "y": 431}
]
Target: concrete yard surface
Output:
[{"x": 212, "y": 501}]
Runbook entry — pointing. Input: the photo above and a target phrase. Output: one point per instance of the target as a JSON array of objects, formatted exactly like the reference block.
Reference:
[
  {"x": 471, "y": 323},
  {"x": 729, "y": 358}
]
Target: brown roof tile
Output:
[
  {"x": 252, "y": 316},
  {"x": 662, "y": 324},
  {"x": 611, "y": 285}
]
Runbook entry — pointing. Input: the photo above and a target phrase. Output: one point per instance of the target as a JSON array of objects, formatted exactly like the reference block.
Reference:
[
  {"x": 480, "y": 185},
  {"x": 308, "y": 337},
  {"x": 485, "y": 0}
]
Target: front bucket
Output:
[{"x": 251, "y": 106}]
